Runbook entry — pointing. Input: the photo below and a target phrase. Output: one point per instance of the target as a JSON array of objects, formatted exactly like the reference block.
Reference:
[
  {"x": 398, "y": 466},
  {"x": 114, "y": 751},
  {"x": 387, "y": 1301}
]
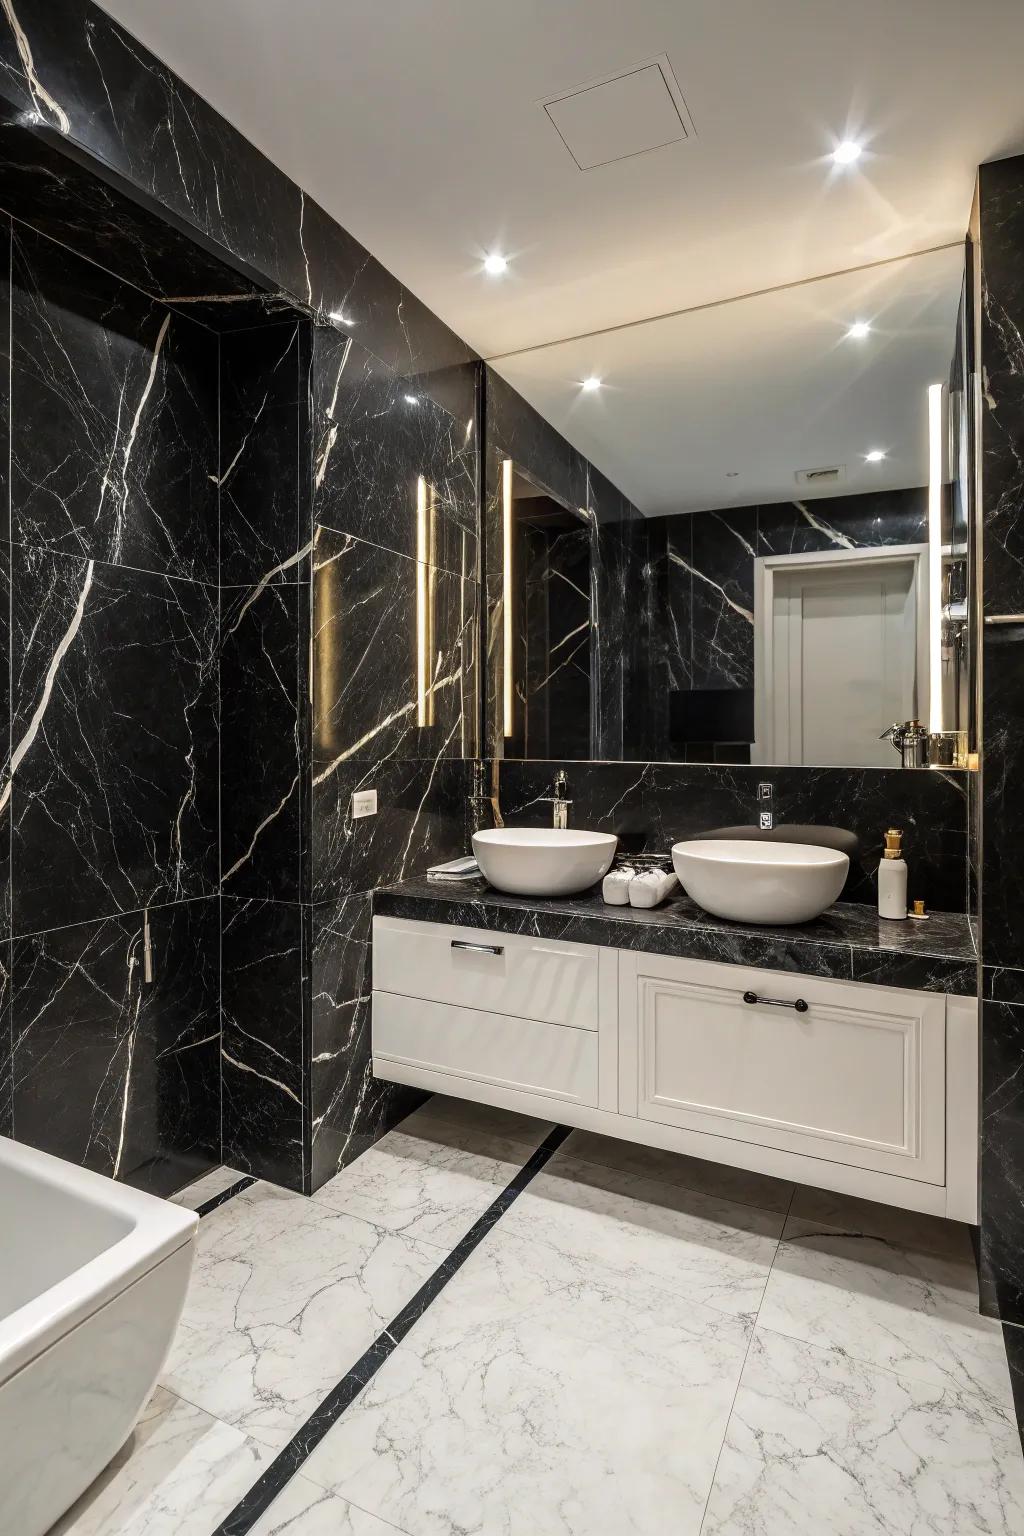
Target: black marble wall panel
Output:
[
  {"x": 111, "y": 793},
  {"x": 1000, "y": 309},
  {"x": 115, "y": 418},
  {"x": 722, "y": 551},
  {"x": 377, "y": 436},
  {"x": 114, "y": 724},
  {"x": 653, "y": 805},
  {"x": 109, "y": 1071},
  {"x": 351, "y": 1108},
  {"x": 1002, "y": 1163},
  {"x": 265, "y": 958},
  {"x": 264, "y": 509}
]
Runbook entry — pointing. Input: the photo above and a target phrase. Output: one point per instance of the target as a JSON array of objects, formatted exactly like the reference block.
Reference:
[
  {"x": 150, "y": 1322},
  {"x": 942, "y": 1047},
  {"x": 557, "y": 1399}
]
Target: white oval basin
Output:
[
  {"x": 760, "y": 882},
  {"x": 543, "y": 861}
]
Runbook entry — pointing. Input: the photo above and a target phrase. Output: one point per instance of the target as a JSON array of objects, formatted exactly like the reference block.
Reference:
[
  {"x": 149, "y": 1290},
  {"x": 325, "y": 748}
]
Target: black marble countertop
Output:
[{"x": 849, "y": 941}]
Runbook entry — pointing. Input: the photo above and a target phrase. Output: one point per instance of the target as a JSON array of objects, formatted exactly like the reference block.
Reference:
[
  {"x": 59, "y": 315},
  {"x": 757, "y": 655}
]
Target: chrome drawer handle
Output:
[
  {"x": 479, "y": 949},
  {"x": 775, "y": 1002}
]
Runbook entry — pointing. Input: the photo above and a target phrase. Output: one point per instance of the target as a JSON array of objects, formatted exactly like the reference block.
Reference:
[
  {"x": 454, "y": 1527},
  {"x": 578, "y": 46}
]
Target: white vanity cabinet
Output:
[{"x": 865, "y": 1089}]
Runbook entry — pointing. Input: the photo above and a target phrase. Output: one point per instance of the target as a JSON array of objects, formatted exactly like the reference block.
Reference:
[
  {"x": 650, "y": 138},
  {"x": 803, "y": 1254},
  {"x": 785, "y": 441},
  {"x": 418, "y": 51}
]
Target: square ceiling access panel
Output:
[{"x": 621, "y": 116}]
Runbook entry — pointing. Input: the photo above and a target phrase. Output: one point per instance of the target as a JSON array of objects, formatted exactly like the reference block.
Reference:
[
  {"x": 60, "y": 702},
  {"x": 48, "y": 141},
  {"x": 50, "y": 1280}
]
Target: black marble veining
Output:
[
  {"x": 265, "y": 989},
  {"x": 653, "y": 805},
  {"x": 848, "y": 942},
  {"x": 114, "y": 418},
  {"x": 999, "y": 828},
  {"x": 114, "y": 731},
  {"x": 113, "y": 1072}
]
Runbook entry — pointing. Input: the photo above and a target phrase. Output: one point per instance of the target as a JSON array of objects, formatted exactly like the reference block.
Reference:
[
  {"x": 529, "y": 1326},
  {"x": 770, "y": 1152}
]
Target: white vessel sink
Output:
[
  {"x": 543, "y": 861},
  {"x": 760, "y": 882}
]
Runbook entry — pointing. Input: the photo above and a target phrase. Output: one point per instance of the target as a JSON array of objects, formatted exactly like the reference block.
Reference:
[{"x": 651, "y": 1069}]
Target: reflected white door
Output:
[{"x": 844, "y": 661}]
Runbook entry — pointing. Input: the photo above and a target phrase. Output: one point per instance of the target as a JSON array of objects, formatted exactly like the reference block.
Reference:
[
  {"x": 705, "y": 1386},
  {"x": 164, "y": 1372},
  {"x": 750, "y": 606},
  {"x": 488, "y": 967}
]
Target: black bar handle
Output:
[
  {"x": 478, "y": 949},
  {"x": 775, "y": 1002}
]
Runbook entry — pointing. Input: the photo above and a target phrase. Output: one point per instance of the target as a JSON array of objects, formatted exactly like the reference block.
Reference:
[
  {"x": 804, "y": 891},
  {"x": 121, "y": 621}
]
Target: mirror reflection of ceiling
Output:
[
  {"x": 727, "y": 406},
  {"x": 423, "y": 129}
]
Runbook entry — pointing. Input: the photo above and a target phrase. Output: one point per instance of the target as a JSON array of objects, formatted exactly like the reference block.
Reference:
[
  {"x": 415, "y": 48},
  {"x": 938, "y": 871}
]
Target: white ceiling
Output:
[
  {"x": 722, "y": 406},
  {"x": 418, "y": 124}
]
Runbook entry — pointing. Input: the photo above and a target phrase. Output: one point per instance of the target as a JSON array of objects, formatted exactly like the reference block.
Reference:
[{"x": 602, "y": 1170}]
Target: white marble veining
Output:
[
  {"x": 822, "y": 1445},
  {"x": 909, "y": 1311},
  {"x": 179, "y": 1475},
  {"x": 285, "y": 1297},
  {"x": 623, "y": 1355},
  {"x": 676, "y": 1168},
  {"x": 303, "y": 1509},
  {"x": 430, "y": 1185},
  {"x": 714, "y": 1251},
  {"x": 542, "y": 1395}
]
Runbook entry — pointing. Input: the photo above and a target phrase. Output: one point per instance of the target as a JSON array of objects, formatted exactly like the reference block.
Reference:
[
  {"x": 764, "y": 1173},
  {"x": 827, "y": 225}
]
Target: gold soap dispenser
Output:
[{"x": 892, "y": 878}]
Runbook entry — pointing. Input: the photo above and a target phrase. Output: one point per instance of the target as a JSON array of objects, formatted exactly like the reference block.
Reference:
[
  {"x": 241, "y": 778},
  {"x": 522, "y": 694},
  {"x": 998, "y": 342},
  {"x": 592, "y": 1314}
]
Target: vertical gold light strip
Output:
[
  {"x": 422, "y": 622},
  {"x": 936, "y": 464},
  {"x": 507, "y": 596}
]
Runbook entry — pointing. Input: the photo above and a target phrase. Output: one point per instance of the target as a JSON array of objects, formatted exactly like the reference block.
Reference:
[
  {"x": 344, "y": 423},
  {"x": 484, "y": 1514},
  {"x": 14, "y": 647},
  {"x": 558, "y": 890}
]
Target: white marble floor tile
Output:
[
  {"x": 430, "y": 1184},
  {"x": 822, "y": 1445},
  {"x": 468, "y": 1115},
  {"x": 676, "y": 1168},
  {"x": 303, "y": 1509},
  {"x": 179, "y": 1475},
  {"x": 908, "y": 1311},
  {"x": 908, "y": 1229},
  {"x": 285, "y": 1296},
  {"x": 529, "y": 1401},
  {"x": 202, "y": 1189},
  {"x": 715, "y": 1251}
]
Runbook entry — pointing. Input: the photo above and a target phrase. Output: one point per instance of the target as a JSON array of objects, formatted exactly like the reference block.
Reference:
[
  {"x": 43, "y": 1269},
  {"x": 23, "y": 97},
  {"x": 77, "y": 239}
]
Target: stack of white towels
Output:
[{"x": 627, "y": 886}]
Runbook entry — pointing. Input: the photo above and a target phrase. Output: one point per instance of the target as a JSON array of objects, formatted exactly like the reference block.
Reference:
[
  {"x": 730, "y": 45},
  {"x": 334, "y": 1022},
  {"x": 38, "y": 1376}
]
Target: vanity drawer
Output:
[
  {"x": 856, "y": 1078},
  {"x": 510, "y": 973},
  {"x": 513, "y": 1053}
]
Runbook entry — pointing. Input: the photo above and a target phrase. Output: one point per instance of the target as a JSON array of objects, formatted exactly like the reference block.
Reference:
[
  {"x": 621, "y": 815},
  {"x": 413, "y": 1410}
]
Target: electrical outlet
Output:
[
  {"x": 364, "y": 803},
  {"x": 766, "y": 821},
  {"x": 764, "y": 791}
]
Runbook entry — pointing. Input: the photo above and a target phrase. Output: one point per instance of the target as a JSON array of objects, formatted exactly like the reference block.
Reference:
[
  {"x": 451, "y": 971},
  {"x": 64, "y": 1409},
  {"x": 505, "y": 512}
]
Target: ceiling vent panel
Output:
[
  {"x": 622, "y": 116},
  {"x": 830, "y": 474}
]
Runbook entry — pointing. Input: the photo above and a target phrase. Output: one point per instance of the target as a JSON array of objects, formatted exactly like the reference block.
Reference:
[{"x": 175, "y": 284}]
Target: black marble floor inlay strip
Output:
[
  {"x": 224, "y": 1196},
  {"x": 284, "y": 1467}
]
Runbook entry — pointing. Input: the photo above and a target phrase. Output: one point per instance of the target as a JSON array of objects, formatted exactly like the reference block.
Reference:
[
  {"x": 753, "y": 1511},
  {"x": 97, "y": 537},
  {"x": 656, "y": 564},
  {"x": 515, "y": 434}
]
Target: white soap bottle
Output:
[{"x": 892, "y": 877}]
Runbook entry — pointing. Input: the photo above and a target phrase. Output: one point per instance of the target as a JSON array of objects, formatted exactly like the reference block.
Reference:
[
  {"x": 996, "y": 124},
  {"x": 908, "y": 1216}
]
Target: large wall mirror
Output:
[{"x": 740, "y": 533}]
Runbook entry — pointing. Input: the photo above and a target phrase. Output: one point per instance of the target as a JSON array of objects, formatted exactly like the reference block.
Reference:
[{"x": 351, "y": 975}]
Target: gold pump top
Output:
[{"x": 893, "y": 843}]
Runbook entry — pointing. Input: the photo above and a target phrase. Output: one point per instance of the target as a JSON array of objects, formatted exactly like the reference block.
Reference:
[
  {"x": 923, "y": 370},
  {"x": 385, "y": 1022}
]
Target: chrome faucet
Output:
[{"x": 559, "y": 802}]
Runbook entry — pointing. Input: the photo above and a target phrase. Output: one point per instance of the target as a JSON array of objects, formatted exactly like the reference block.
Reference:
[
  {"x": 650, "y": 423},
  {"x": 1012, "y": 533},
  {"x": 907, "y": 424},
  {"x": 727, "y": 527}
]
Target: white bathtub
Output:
[{"x": 93, "y": 1278}]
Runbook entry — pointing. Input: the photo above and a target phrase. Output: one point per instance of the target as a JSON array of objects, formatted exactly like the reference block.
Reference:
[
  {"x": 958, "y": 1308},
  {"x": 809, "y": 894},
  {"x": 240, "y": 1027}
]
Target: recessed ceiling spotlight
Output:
[
  {"x": 858, "y": 330},
  {"x": 495, "y": 264},
  {"x": 846, "y": 152},
  {"x": 590, "y": 384},
  {"x": 875, "y": 456}
]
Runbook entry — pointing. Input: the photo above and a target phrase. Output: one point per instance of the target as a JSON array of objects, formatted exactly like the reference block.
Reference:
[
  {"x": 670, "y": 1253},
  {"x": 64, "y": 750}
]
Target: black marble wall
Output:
[
  {"x": 1000, "y": 323},
  {"x": 110, "y": 791},
  {"x": 699, "y": 616},
  {"x": 394, "y": 686},
  {"x": 286, "y": 562},
  {"x": 652, "y": 805}
]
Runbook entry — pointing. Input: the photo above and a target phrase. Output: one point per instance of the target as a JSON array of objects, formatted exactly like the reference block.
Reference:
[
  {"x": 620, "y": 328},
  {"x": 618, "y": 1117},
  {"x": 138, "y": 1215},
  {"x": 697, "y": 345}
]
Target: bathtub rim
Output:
[{"x": 158, "y": 1229}]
